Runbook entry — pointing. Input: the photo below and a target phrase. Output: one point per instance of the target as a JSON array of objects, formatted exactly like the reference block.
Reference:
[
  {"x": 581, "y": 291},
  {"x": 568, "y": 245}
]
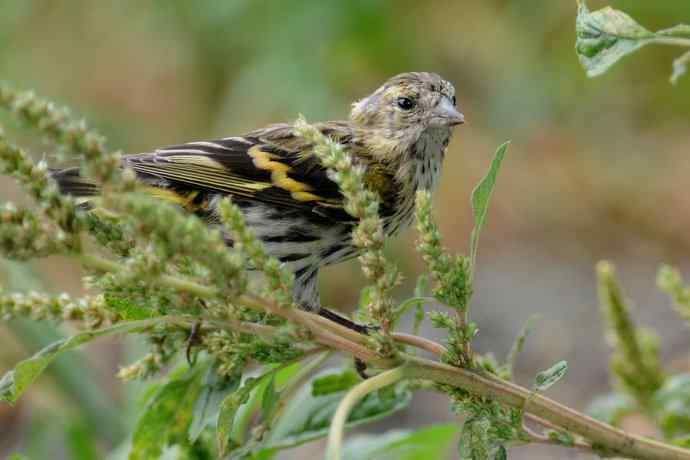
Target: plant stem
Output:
[
  {"x": 335, "y": 435},
  {"x": 543, "y": 439},
  {"x": 419, "y": 342},
  {"x": 260, "y": 330},
  {"x": 603, "y": 437},
  {"x": 675, "y": 41}
]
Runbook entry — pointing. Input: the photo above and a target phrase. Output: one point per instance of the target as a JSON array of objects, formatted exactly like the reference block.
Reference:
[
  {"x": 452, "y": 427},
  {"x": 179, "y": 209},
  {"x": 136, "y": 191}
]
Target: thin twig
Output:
[
  {"x": 420, "y": 342},
  {"x": 540, "y": 438},
  {"x": 335, "y": 435}
]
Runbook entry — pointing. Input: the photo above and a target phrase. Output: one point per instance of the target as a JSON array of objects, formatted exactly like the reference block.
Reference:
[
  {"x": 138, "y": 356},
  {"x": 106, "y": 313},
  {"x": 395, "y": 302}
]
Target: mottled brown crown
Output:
[{"x": 381, "y": 108}]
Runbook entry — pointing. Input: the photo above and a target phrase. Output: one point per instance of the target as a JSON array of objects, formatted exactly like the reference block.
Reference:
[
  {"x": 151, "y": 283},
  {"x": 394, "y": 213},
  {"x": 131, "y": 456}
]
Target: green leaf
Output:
[
  {"x": 128, "y": 310},
  {"x": 682, "y": 441},
  {"x": 680, "y": 67},
  {"x": 81, "y": 440},
  {"x": 564, "y": 438},
  {"x": 501, "y": 453},
  {"x": 213, "y": 391},
  {"x": 417, "y": 302},
  {"x": 15, "y": 382},
  {"x": 269, "y": 399},
  {"x": 265, "y": 454},
  {"x": 671, "y": 405},
  {"x": 428, "y": 443},
  {"x": 475, "y": 440},
  {"x": 455, "y": 285},
  {"x": 244, "y": 415},
  {"x": 671, "y": 282},
  {"x": 334, "y": 383},
  {"x": 168, "y": 415},
  {"x": 226, "y": 415},
  {"x": 18, "y": 457},
  {"x": 421, "y": 287},
  {"x": 481, "y": 196},
  {"x": 518, "y": 345},
  {"x": 308, "y": 417},
  {"x": 607, "y": 35},
  {"x": 546, "y": 379},
  {"x": 611, "y": 408},
  {"x": 679, "y": 31}
]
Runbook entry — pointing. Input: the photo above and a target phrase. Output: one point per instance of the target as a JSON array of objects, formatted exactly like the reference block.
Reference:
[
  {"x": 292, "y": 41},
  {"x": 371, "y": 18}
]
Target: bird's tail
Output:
[{"x": 71, "y": 182}]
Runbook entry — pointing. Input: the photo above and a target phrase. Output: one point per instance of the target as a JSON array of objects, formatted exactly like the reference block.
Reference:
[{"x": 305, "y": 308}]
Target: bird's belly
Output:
[{"x": 298, "y": 241}]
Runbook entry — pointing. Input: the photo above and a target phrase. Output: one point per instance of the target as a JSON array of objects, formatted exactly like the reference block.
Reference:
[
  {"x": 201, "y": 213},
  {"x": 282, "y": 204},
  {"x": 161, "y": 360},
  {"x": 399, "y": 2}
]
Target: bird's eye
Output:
[
  {"x": 405, "y": 103},
  {"x": 454, "y": 101}
]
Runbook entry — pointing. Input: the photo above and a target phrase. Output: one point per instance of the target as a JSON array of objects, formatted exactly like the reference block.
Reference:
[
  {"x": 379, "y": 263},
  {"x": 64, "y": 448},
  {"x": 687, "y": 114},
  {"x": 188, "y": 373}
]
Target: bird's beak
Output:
[{"x": 446, "y": 115}]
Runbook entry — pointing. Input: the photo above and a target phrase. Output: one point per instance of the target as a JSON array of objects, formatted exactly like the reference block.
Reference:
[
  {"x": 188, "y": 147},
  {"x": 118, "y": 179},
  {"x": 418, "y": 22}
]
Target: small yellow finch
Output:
[{"x": 399, "y": 133}]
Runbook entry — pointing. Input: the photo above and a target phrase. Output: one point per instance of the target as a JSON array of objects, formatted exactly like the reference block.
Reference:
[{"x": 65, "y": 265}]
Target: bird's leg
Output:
[
  {"x": 348, "y": 323},
  {"x": 360, "y": 366},
  {"x": 307, "y": 296},
  {"x": 194, "y": 339}
]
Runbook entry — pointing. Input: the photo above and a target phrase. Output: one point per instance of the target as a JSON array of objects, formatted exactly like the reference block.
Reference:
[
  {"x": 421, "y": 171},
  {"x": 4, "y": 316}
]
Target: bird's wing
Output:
[{"x": 272, "y": 165}]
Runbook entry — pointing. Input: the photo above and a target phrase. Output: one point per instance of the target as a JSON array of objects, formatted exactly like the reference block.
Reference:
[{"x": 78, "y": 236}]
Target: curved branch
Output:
[
  {"x": 335, "y": 435},
  {"x": 604, "y": 438}
]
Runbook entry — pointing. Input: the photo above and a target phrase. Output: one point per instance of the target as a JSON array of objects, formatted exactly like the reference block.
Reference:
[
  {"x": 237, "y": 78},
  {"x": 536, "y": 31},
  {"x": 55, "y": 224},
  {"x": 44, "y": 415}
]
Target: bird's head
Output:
[{"x": 409, "y": 102}]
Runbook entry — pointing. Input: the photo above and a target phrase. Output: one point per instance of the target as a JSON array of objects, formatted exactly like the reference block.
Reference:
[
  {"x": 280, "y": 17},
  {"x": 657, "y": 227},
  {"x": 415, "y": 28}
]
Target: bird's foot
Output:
[{"x": 193, "y": 340}]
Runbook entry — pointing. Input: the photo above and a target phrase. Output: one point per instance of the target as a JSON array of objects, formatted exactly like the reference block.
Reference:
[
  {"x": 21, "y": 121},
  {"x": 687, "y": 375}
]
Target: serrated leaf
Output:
[
  {"x": 246, "y": 411},
  {"x": 167, "y": 416},
  {"x": 226, "y": 415},
  {"x": 213, "y": 391},
  {"x": 15, "y": 382},
  {"x": 127, "y": 310},
  {"x": 334, "y": 383},
  {"x": 607, "y": 35},
  {"x": 428, "y": 443},
  {"x": 475, "y": 442},
  {"x": 546, "y": 379},
  {"x": 481, "y": 197}
]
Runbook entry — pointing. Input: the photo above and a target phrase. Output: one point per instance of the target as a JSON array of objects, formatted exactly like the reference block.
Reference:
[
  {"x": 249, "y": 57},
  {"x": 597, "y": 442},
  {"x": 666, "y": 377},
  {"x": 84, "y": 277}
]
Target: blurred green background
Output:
[{"x": 597, "y": 168}]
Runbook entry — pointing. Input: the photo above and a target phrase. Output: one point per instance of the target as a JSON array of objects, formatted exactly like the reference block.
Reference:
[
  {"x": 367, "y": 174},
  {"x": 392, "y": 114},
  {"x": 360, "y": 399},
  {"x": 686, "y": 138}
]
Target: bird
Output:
[{"x": 399, "y": 134}]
